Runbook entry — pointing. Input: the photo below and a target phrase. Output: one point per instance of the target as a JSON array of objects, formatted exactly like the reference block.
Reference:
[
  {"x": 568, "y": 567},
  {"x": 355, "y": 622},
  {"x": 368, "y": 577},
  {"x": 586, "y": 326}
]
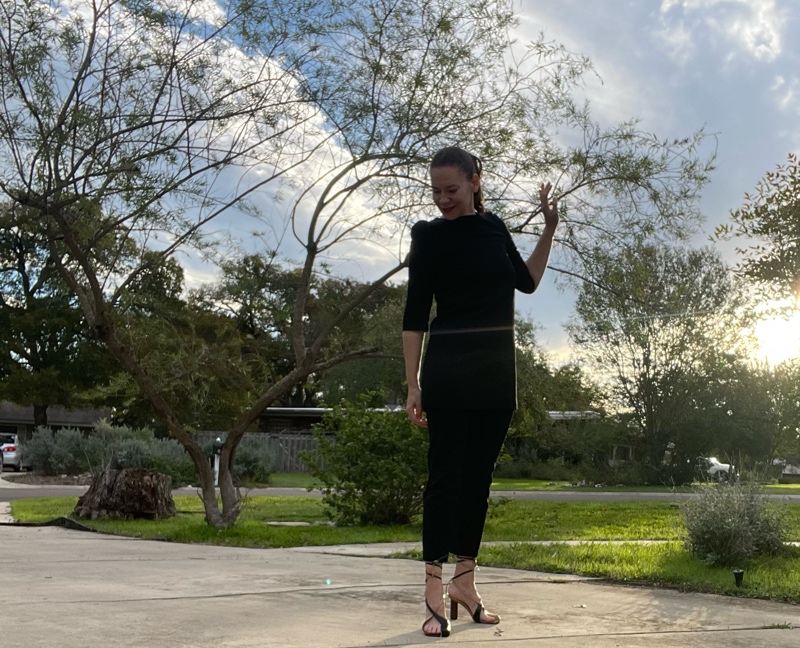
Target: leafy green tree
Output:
[
  {"x": 541, "y": 389},
  {"x": 257, "y": 293},
  {"x": 115, "y": 137},
  {"x": 656, "y": 330},
  {"x": 730, "y": 413},
  {"x": 768, "y": 227},
  {"x": 47, "y": 357},
  {"x": 784, "y": 395}
]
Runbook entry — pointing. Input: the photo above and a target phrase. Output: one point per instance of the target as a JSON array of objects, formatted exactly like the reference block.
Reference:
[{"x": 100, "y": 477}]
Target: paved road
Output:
[{"x": 10, "y": 491}]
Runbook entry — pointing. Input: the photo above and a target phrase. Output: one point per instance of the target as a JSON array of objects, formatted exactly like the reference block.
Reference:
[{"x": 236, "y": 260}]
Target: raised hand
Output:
[{"x": 549, "y": 207}]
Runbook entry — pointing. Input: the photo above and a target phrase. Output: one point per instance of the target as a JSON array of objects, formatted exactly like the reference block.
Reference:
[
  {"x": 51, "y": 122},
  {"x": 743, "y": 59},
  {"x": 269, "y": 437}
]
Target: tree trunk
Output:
[
  {"x": 128, "y": 494},
  {"x": 40, "y": 415}
]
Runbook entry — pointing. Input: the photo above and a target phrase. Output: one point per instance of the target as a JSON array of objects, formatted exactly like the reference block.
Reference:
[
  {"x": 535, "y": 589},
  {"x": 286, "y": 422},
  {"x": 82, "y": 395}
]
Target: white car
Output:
[
  {"x": 12, "y": 453},
  {"x": 715, "y": 469}
]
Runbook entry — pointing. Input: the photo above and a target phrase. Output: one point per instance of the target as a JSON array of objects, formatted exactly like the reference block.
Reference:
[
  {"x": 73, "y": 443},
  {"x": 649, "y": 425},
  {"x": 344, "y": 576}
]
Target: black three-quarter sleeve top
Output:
[{"x": 471, "y": 266}]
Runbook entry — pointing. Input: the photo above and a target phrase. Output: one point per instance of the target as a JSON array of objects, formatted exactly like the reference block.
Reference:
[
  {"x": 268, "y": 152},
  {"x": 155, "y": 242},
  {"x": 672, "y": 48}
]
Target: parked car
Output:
[
  {"x": 712, "y": 468},
  {"x": 12, "y": 453}
]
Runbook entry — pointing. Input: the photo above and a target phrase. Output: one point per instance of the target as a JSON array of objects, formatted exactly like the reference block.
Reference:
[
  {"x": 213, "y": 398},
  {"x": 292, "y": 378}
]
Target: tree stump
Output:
[{"x": 128, "y": 494}]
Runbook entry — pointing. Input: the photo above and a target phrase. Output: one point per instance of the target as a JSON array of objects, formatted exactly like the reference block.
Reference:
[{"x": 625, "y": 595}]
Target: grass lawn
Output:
[
  {"x": 509, "y": 520},
  {"x": 304, "y": 480},
  {"x": 509, "y": 484},
  {"x": 663, "y": 564},
  {"x": 667, "y": 564}
]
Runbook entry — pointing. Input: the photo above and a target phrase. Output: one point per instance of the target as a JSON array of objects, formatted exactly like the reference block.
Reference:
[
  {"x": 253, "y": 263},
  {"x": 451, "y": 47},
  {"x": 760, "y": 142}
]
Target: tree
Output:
[
  {"x": 543, "y": 388},
  {"x": 257, "y": 293},
  {"x": 769, "y": 223},
  {"x": 47, "y": 357},
  {"x": 664, "y": 320},
  {"x": 732, "y": 412},
  {"x": 115, "y": 135},
  {"x": 139, "y": 126},
  {"x": 784, "y": 391}
]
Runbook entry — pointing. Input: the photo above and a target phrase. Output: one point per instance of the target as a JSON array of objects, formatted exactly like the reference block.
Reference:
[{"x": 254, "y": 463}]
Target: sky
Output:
[{"x": 731, "y": 67}]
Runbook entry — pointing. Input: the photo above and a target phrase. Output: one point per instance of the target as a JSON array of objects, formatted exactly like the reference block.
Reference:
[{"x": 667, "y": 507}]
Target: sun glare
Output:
[{"x": 778, "y": 338}]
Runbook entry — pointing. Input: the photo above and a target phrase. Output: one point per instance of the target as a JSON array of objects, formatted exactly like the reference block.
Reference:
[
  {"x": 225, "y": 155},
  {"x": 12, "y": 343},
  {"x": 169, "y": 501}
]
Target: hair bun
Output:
[{"x": 478, "y": 164}]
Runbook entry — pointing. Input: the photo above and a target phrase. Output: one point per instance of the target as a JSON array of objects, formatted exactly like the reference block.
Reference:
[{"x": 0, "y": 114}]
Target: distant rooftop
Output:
[{"x": 17, "y": 415}]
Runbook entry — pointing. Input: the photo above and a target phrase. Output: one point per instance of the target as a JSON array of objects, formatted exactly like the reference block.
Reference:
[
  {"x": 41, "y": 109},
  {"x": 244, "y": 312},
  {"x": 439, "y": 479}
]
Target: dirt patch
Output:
[{"x": 48, "y": 480}]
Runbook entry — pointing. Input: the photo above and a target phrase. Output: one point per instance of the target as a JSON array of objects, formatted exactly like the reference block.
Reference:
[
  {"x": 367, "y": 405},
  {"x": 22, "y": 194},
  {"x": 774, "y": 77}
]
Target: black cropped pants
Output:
[{"x": 464, "y": 445}]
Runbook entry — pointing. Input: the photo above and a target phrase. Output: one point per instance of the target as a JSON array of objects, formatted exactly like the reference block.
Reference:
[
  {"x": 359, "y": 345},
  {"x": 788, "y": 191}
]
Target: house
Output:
[{"x": 16, "y": 419}]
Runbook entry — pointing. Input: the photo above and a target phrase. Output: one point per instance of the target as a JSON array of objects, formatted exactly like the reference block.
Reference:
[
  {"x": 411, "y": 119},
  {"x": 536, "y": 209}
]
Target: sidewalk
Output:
[{"x": 71, "y": 589}]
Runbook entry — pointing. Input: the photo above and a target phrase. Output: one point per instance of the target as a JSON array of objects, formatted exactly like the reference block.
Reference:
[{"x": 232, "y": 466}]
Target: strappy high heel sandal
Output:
[
  {"x": 444, "y": 624},
  {"x": 455, "y": 601}
]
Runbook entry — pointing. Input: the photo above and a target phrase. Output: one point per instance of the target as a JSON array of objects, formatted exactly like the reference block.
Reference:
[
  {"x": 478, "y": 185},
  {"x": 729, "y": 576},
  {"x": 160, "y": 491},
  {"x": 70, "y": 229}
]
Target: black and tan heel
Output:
[
  {"x": 444, "y": 624},
  {"x": 479, "y": 613}
]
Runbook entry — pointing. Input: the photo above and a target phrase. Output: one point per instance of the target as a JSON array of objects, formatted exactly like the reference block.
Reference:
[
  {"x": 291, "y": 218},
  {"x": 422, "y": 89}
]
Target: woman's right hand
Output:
[{"x": 414, "y": 407}]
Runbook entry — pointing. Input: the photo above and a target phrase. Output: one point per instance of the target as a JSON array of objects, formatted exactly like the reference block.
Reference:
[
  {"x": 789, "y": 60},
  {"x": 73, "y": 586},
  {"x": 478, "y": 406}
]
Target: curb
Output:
[
  {"x": 64, "y": 522},
  {"x": 5, "y": 513}
]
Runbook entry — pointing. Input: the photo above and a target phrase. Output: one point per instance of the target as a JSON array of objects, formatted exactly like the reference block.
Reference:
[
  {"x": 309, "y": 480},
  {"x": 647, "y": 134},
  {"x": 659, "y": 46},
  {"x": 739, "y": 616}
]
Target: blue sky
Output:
[{"x": 729, "y": 66}]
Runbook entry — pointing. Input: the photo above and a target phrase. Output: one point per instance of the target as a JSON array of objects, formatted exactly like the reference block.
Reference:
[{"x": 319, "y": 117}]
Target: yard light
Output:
[{"x": 738, "y": 575}]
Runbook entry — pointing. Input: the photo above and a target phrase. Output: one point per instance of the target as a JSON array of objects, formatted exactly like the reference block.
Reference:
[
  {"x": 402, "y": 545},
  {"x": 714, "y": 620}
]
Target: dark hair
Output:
[{"x": 468, "y": 164}]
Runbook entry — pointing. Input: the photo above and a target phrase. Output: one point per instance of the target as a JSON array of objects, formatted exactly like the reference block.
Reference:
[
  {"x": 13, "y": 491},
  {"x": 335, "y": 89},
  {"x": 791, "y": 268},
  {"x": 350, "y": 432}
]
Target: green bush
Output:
[
  {"x": 372, "y": 465},
  {"x": 552, "y": 470},
  {"x": 626, "y": 475},
  {"x": 252, "y": 462},
  {"x": 38, "y": 451},
  {"x": 131, "y": 453},
  {"x": 168, "y": 457},
  {"x": 728, "y": 523},
  {"x": 522, "y": 469},
  {"x": 62, "y": 453},
  {"x": 70, "y": 452}
]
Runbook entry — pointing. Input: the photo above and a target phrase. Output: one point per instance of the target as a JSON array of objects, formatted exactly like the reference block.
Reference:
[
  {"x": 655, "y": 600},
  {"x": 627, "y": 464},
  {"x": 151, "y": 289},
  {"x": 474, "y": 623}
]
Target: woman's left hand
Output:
[{"x": 549, "y": 207}]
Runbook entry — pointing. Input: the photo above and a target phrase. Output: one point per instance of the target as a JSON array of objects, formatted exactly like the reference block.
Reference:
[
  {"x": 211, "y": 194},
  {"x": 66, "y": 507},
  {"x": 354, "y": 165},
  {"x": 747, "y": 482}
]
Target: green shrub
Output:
[
  {"x": 68, "y": 457},
  {"x": 729, "y": 523},
  {"x": 38, "y": 451},
  {"x": 252, "y": 462},
  {"x": 70, "y": 452},
  {"x": 131, "y": 453},
  {"x": 372, "y": 465},
  {"x": 626, "y": 475},
  {"x": 522, "y": 469},
  {"x": 168, "y": 457}
]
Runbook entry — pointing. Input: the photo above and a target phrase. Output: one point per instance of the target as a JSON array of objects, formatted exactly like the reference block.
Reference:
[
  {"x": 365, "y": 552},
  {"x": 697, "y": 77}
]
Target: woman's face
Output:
[{"x": 453, "y": 192}]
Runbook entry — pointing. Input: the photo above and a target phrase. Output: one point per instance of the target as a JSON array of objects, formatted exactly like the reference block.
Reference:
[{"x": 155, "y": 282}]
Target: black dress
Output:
[{"x": 471, "y": 266}]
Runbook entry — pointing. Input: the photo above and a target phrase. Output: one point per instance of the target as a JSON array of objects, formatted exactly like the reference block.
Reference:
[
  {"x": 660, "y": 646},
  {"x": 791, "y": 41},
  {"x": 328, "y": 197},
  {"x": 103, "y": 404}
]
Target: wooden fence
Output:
[{"x": 285, "y": 448}]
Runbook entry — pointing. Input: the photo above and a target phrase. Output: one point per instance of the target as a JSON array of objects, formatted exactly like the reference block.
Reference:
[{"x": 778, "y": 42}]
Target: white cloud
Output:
[
  {"x": 678, "y": 42},
  {"x": 787, "y": 93},
  {"x": 753, "y": 27}
]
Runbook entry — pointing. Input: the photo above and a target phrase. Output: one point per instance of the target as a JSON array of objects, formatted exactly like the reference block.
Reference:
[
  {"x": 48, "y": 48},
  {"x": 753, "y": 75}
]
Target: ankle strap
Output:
[
  {"x": 435, "y": 564},
  {"x": 462, "y": 559}
]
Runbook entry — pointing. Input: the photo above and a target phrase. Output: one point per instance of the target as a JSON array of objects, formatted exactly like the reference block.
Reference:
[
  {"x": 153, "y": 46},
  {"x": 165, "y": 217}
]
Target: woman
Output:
[{"x": 468, "y": 262}]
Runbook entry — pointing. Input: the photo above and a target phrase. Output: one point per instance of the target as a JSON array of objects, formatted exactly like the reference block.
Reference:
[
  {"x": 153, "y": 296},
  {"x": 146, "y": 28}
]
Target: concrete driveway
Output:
[{"x": 68, "y": 589}]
